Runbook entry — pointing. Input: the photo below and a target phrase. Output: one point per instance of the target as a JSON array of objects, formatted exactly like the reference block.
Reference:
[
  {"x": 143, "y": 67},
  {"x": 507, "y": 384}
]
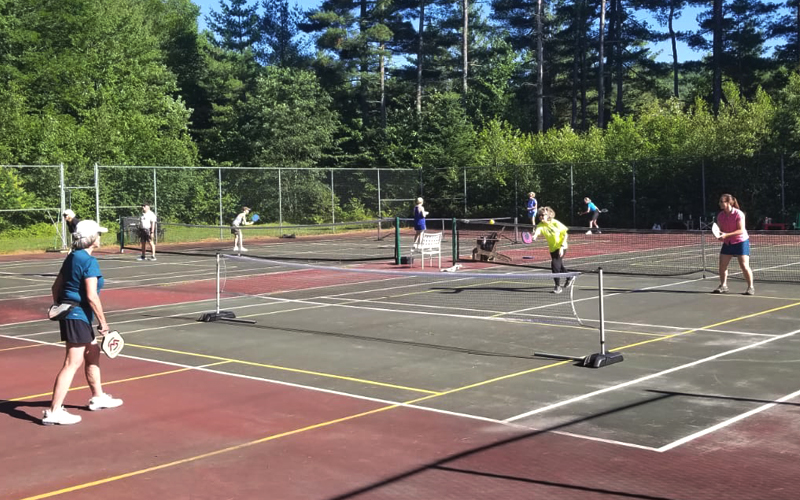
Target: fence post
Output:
[
  {"x": 465, "y": 191},
  {"x": 703, "y": 175},
  {"x": 633, "y": 201},
  {"x": 63, "y": 206},
  {"x": 571, "y": 195},
  {"x": 783, "y": 193},
  {"x": 333, "y": 201},
  {"x": 380, "y": 213},
  {"x": 155, "y": 193},
  {"x": 97, "y": 192},
  {"x": 219, "y": 197}
]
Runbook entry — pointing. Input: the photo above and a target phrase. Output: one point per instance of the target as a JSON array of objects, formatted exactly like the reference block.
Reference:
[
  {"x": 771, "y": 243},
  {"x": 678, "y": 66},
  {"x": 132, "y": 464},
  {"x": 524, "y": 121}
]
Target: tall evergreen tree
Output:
[{"x": 235, "y": 25}]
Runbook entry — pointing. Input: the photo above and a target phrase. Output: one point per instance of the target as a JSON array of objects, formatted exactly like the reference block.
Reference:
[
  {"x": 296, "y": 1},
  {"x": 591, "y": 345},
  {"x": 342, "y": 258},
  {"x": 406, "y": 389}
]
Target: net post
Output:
[
  {"x": 601, "y": 294},
  {"x": 397, "y": 241},
  {"x": 218, "y": 314},
  {"x": 516, "y": 230},
  {"x": 602, "y": 358},
  {"x": 455, "y": 241}
]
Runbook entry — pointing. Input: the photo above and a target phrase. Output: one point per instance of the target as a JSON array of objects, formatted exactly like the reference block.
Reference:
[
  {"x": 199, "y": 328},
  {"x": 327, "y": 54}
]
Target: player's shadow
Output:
[{"x": 15, "y": 409}]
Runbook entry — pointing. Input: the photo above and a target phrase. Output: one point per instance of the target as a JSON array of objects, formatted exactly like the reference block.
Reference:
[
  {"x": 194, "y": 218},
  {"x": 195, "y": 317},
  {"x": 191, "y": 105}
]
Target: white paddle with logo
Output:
[{"x": 111, "y": 343}]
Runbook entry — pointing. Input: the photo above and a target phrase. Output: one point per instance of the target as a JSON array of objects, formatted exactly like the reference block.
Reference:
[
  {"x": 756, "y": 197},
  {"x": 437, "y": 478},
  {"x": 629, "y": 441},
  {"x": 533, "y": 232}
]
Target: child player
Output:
[{"x": 556, "y": 235}]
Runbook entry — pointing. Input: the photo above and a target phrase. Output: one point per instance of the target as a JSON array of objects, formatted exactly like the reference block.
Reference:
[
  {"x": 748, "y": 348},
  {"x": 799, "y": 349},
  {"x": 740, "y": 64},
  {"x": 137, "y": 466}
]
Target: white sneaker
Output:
[
  {"x": 243, "y": 249},
  {"x": 60, "y": 417},
  {"x": 153, "y": 258},
  {"x": 235, "y": 249},
  {"x": 589, "y": 232},
  {"x": 557, "y": 290},
  {"x": 141, "y": 257},
  {"x": 104, "y": 401}
]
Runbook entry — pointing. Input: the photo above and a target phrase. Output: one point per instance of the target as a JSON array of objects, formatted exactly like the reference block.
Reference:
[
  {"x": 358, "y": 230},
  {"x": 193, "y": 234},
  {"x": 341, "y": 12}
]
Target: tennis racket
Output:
[
  {"x": 111, "y": 343},
  {"x": 716, "y": 231},
  {"x": 256, "y": 218},
  {"x": 527, "y": 238}
]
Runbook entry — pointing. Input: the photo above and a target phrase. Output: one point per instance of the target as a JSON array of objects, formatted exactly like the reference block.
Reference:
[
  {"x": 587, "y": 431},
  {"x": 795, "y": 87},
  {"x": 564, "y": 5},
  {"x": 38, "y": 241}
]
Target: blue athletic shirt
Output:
[
  {"x": 591, "y": 207},
  {"x": 419, "y": 218},
  {"x": 78, "y": 266},
  {"x": 531, "y": 207}
]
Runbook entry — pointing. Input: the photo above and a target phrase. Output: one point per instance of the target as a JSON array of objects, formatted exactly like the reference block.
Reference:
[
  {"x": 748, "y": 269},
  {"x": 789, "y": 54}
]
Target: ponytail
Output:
[{"x": 730, "y": 199}]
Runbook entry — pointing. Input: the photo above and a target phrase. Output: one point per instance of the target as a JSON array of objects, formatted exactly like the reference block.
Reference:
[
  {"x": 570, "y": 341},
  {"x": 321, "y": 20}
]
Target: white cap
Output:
[
  {"x": 87, "y": 228},
  {"x": 68, "y": 213}
]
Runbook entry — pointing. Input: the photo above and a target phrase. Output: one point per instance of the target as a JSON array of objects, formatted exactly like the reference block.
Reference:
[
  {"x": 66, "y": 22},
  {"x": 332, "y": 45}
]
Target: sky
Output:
[{"x": 686, "y": 22}]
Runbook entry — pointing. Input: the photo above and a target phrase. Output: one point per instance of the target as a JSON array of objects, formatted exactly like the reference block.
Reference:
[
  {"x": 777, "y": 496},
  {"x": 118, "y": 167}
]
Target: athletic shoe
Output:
[
  {"x": 750, "y": 291},
  {"x": 557, "y": 289},
  {"x": 243, "y": 249},
  {"x": 235, "y": 249},
  {"x": 153, "y": 258},
  {"x": 141, "y": 258},
  {"x": 569, "y": 281},
  {"x": 60, "y": 417},
  {"x": 599, "y": 232},
  {"x": 589, "y": 232},
  {"x": 104, "y": 401},
  {"x": 721, "y": 289}
]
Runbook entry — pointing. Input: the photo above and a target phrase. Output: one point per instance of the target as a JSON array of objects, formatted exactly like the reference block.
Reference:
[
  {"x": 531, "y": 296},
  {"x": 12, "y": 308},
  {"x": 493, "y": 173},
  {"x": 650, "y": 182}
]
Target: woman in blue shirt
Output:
[
  {"x": 419, "y": 222},
  {"x": 79, "y": 282}
]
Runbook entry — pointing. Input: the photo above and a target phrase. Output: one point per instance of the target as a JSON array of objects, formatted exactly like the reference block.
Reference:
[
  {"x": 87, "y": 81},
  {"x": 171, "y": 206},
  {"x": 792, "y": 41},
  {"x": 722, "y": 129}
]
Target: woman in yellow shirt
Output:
[{"x": 556, "y": 235}]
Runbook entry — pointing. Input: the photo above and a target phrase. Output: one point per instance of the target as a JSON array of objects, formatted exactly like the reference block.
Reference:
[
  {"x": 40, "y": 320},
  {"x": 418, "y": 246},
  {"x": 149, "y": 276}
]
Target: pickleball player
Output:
[{"x": 79, "y": 281}]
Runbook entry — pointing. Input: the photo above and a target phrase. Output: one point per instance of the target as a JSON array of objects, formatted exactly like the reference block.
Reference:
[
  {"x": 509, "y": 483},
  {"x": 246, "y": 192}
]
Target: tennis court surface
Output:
[{"x": 362, "y": 384}]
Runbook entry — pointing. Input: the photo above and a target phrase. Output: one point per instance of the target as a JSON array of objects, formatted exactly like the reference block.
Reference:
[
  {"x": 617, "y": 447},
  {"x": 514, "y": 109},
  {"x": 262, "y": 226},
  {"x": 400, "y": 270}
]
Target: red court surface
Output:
[
  {"x": 184, "y": 433},
  {"x": 197, "y": 432}
]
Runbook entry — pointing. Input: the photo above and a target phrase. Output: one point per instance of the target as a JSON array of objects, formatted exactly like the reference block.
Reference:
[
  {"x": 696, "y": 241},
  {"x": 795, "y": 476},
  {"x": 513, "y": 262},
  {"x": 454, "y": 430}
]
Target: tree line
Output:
[{"x": 509, "y": 88}]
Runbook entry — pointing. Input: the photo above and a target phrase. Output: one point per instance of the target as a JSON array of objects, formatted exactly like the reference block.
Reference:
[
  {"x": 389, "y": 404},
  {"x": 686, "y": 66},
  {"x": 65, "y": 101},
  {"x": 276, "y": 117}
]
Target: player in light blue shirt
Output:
[{"x": 591, "y": 208}]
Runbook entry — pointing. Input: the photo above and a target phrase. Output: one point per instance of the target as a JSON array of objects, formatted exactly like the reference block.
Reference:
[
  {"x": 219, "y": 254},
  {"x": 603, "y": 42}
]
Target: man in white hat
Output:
[
  {"x": 72, "y": 220},
  {"x": 147, "y": 231}
]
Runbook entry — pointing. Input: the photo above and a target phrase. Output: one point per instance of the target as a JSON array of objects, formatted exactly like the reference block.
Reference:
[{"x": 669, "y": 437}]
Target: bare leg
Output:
[
  {"x": 724, "y": 260},
  {"x": 92, "y": 369},
  {"x": 744, "y": 263},
  {"x": 72, "y": 361}
]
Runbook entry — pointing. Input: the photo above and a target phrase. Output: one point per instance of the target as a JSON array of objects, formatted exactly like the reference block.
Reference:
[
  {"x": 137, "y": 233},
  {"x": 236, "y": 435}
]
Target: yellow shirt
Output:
[{"x": 554, "y": 232}]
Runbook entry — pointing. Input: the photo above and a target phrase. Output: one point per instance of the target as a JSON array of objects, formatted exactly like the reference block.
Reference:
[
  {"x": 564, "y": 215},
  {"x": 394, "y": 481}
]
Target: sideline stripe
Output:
[
  {"x": 382, "y": 409},
  {"x": 726, "y": 423},
  {"x": 293, "y": 370},
  {"x": 141, "y": 377},
  {"x": 648, "y": 377},
  {"x": 210, "y": 454}
]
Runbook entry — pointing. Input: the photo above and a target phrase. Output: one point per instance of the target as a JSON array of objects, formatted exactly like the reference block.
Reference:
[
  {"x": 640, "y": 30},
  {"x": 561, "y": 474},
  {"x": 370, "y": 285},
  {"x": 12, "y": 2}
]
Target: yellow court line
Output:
[
  {"x": 284, "y": 368},
  {"x": 209, "y": 454},
  {"x": 272, "y": 437},
  {"x": 377, "y": 410},
  {"x": 740, "y": 318}
]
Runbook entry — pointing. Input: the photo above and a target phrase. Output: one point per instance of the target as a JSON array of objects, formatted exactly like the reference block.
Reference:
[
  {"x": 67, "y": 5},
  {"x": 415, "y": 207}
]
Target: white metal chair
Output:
[{"x": 431, "y": 245}]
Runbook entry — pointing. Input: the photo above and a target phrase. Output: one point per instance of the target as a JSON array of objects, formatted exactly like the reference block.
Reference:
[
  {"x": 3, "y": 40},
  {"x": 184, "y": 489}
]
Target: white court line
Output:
[
  {"x": 726, "y": 423},
  {"x": 647, "y": 377},
  {"x": 667, "y": 327},
  {"x": 469, "y": 416}
]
